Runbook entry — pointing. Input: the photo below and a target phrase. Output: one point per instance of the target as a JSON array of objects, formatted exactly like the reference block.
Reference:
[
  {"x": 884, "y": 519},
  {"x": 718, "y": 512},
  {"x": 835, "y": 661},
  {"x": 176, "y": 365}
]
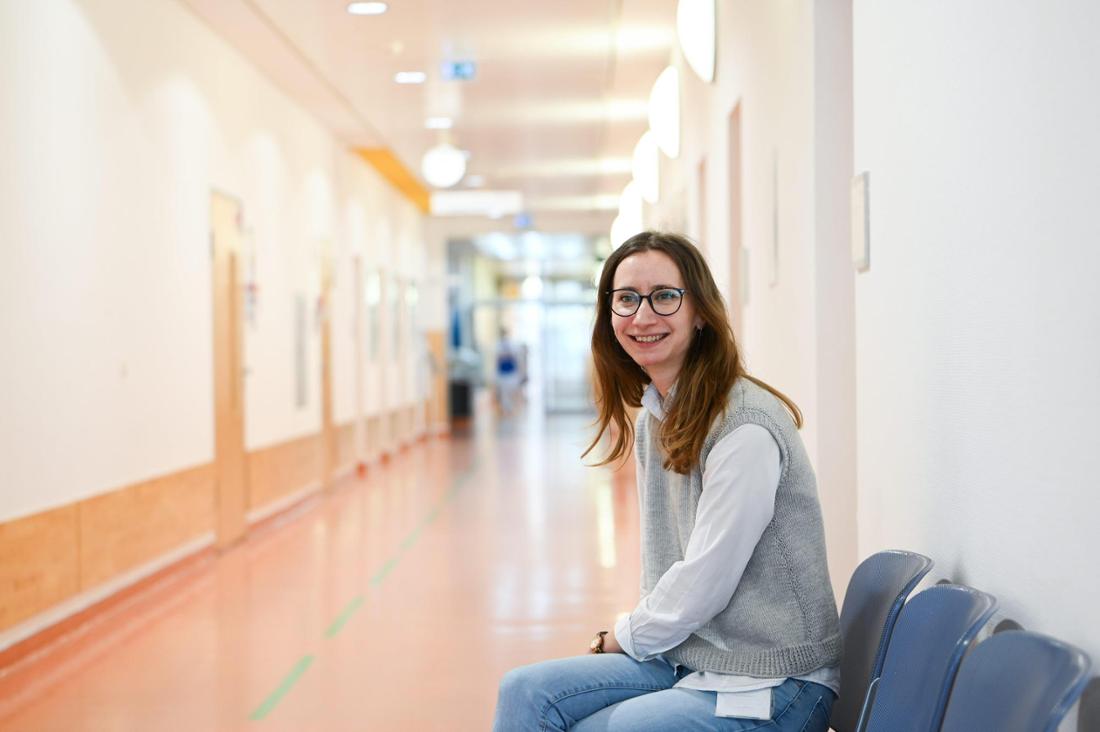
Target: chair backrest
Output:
[
  {"x": 874, "y": 597},
  {"x": 1016, "y": 681},
  {"x": 932, "y": 634},
  {"x": 1088, "y": 714},
  {"x": 1006, "y": 624}
]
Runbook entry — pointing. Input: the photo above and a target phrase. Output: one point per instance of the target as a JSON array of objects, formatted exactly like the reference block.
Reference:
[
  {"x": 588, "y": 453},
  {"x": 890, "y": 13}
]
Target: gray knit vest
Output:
[{"x": 782, "y": 619}]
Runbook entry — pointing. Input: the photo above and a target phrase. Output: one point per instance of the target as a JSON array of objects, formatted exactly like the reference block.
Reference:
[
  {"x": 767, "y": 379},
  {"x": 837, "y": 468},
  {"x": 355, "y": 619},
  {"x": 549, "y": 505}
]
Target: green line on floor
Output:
[
  {"x": 338, "y": 624},
  {"x": 381, "y": 574},
  {"x": 411, "y": 539},
  {"x": 288, "y": 683}
]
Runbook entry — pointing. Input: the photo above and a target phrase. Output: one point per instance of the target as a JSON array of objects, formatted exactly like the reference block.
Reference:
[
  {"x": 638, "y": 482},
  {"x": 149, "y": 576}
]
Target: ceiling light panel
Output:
[
  {"x": 410, "y": 77},
  {"x": 566, "y": 168},
  {"x": 493, "y": 204},
  {"x": 367, "y": 8},
  {"x": 438, "y": 123}
]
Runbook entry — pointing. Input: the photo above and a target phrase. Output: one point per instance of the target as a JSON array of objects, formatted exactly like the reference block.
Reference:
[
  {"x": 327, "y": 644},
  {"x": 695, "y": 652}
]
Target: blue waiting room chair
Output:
[
  {"x": 1016, "y": 681},
  {"x": 932, "y": 634},
  {"x": 874, "y": 598}
]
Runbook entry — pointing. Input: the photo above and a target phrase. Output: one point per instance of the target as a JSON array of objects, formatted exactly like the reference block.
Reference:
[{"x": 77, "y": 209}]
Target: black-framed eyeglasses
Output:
[{"x": 663, "y": 301}]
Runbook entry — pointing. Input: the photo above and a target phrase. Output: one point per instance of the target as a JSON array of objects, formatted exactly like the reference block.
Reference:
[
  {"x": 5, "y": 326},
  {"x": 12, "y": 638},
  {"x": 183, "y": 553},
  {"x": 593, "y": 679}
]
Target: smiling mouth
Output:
[{"x": 649, "y": 338}]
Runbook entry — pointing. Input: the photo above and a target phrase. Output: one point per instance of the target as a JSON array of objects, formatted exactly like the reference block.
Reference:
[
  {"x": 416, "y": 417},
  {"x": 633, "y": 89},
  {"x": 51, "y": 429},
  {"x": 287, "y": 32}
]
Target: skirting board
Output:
[{"x": 279, "y": 505}]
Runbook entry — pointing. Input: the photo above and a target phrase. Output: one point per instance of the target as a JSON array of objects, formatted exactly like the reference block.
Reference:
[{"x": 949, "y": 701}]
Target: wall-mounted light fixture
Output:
[
  {"x": 664, "y": 111},
  {"x": 630, "y": 219},
  {"x": 696, "y": 29},
  {"x": 619, "y": 233},
  {"x": 646, "y": 167}
]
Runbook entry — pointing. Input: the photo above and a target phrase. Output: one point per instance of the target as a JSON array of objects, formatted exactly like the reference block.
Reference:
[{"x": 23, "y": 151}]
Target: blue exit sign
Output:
[{"x": 458, "y": 70}]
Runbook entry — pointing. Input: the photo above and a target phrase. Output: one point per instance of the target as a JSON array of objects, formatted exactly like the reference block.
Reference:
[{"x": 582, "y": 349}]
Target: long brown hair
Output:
[{"x": 710, "y": 368}]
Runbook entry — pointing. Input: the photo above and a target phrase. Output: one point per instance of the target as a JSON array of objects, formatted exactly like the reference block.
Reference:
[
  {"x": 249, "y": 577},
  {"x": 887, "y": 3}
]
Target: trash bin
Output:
[
  {"x": 464, "y": 375},
  {"x": 461, "y": 399}
]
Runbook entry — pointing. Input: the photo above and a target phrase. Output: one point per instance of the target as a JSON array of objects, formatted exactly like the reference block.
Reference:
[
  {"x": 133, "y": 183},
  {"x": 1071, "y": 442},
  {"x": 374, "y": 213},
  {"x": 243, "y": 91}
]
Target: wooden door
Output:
[{"x": 229, "y": 459}]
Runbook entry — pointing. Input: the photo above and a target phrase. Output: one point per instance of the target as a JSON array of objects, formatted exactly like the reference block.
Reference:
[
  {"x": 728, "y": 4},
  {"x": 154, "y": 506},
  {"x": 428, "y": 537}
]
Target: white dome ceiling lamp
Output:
[
  {"x": 695, "y": 27},
  {"x": 664, "y": 111},
  {"x": 646, "y": 167},
  {"x": 443, "y": 165}
]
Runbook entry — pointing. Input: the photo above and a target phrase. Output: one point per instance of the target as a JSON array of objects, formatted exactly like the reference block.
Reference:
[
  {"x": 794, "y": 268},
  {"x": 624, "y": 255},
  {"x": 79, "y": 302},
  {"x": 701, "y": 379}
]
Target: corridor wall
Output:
[
  {"x": 118, "y": 120},
  {"x": 949, "y": 389},
  {"x": 786, "y": 68},
  {"x": 976, "y": 323}
]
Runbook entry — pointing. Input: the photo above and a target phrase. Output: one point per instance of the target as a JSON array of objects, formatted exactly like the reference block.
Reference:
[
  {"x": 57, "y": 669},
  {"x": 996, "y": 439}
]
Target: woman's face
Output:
[{"x": 657, "y": 343}]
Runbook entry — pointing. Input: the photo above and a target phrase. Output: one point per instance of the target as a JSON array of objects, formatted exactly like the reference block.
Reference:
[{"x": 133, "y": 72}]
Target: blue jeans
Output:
[{"x": 612, "y": 691}]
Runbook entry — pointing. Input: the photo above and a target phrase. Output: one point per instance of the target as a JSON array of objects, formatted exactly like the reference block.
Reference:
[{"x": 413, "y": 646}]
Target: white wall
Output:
[
  {"x": 778, "y": 61},
  {"x": 113, "y": 141},
  {"x": 834, "y": 285},
  {"x": 385, "y": 231},
  {"x": 977, "y": 322},
  {"x": 765, "y": 63},
  {"x": 966, "y": 355}
]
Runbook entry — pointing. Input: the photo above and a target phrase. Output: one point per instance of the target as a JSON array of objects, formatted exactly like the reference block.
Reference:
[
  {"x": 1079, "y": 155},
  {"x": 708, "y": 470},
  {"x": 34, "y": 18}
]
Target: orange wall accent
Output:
[
  {"x": 282, "y": 469},
  {"x": 38, "y": 563},
  {"x": 126, "y": 528},
  {"x": 393, "y": 170}
]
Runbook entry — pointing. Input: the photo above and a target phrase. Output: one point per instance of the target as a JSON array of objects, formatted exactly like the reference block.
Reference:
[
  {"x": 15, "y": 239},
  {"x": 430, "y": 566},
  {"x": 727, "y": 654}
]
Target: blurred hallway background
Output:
[{"x": 256, "y": 258}]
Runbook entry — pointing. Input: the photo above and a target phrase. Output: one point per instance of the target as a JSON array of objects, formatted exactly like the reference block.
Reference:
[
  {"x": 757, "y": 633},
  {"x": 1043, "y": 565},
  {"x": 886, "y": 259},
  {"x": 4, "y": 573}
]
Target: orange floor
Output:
[{"x": 395, "y": 603}]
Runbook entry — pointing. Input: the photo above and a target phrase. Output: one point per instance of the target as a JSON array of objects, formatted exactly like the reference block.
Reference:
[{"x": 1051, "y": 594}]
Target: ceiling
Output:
[{"x": 558, "y": 102}]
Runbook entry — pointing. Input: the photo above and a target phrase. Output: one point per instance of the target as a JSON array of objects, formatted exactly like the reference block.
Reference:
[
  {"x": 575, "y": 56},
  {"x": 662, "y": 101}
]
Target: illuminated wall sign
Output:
[{"x": 458, "y": 70}]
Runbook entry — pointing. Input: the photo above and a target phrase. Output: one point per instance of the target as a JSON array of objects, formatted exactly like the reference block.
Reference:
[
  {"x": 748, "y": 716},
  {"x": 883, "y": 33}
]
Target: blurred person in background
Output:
[{"x": 509, "y": 372}]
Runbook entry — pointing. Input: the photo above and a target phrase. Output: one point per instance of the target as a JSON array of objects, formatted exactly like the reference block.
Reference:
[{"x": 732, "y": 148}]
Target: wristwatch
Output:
[{"x": 596, "y": 646}]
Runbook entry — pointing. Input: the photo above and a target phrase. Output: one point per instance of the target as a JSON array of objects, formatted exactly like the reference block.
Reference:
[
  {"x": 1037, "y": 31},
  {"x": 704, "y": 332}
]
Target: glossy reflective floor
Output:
[{"x": 394, "y": 603}]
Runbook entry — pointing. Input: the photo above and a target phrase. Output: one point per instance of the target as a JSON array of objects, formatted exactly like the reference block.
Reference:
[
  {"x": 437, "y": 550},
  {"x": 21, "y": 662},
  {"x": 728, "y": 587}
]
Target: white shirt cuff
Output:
[{"x": 624, "y": 637}]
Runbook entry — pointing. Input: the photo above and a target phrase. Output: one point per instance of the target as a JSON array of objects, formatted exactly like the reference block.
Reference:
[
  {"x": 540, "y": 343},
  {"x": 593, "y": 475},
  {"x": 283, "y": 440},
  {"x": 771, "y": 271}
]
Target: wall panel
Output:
[
  {"x": 278, "y": 471},
  {"x": 123, "y": 529},
  {"x": 38, "y": 563}
]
